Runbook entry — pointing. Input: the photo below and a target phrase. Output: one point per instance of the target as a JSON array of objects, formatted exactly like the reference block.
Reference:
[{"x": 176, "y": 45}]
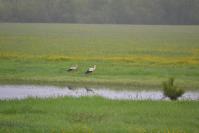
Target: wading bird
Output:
[
  {"x": 90, "y": 69},
  {"x": 73, "y": 68}
]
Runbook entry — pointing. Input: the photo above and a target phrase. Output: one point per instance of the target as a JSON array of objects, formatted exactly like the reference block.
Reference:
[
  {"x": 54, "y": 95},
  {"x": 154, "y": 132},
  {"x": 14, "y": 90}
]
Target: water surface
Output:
[{"x": 24, "y": 91}]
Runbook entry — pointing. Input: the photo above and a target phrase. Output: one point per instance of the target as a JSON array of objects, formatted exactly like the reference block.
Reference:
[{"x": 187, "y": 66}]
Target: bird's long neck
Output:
[{"x": 94, "y": 67}]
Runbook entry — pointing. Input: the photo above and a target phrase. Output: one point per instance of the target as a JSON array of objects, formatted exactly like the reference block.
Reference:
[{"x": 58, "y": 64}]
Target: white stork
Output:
[
  {"x": 91, "y": 69},
  {"x": 73, "y": 68}
]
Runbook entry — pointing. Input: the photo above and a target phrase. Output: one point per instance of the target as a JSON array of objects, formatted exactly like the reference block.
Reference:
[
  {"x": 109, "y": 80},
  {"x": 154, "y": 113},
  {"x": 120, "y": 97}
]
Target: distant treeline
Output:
[{"x": 101, "y": 11}]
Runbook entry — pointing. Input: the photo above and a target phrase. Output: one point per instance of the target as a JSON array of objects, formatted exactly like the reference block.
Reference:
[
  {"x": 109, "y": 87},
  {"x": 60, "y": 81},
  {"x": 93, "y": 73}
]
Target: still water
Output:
[{"x": 24, "y": 91}]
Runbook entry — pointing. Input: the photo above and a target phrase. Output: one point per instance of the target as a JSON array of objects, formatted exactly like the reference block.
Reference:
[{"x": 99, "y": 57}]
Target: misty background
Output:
[{"x": 101, "y": 11}]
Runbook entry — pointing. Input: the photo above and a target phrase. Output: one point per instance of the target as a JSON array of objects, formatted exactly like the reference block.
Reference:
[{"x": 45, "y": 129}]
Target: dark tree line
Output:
[{"x": 101, "y": 11}]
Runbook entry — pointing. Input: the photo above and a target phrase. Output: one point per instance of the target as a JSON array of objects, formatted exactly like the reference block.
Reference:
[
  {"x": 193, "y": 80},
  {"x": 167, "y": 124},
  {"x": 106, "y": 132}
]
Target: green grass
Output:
[
  {"x": 93, "y": 114},
  {"x": 132, "y": 56},
  {"x": 127, "y": 56}
]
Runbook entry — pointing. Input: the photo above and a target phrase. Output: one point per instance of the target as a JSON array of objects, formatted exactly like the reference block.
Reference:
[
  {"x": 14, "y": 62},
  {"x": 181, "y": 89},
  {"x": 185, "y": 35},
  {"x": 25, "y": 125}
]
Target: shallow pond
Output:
[{"x": 24, "y": 91}]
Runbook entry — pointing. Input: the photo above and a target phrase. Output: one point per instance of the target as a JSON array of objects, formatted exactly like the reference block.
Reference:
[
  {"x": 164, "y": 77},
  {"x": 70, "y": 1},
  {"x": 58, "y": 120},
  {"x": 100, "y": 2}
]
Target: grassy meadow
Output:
[
  {"x": 97, "y": 115},
  {"x": 129, "y": 56}
]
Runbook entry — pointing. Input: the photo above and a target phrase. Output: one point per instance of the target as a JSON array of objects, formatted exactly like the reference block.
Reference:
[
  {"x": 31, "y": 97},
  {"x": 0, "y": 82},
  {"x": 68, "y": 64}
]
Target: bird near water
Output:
[
  {"x": 90, "y": 69},
  {"x": 72, "y": 68}
]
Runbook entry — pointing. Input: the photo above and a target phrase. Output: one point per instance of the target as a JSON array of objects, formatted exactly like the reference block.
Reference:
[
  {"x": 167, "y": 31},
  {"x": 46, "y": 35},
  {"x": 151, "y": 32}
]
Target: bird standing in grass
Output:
[
  {"x": 90, "y": 69},
  {"x": 72, "y": 68}
]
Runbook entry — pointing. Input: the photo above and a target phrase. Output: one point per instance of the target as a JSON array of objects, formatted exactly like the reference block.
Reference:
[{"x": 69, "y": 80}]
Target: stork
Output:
[
  {"x": 73, "y": 68},
  {"x": 90, "y": 69}
]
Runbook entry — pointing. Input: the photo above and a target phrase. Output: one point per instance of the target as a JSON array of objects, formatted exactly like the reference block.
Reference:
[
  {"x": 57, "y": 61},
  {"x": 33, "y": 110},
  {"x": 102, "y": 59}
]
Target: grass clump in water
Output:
[{"x": 172, "y": 91}]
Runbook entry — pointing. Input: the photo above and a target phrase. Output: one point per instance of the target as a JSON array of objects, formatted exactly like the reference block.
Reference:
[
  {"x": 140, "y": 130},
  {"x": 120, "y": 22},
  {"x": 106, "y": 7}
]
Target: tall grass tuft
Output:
[{"x": 170, "y": 90}]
